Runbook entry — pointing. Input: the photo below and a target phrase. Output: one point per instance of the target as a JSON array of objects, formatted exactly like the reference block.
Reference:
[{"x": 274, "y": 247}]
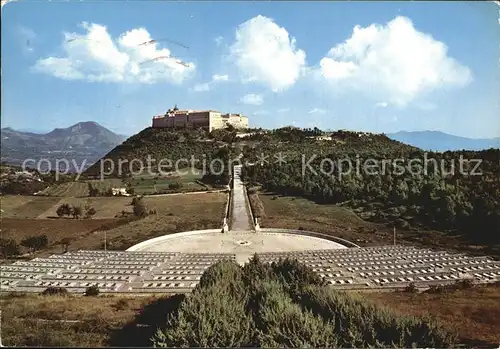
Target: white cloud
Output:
[
  {"x": 201, "y": 87},
  {"x": 261, "y": 112},
  {"x": 381, "y": 105},
  {"x": 216, "y": 77},
  {"x": 4, "y": 2},
  {"x": 252, "y": 99},
  {"x": 207, "y": 86},
  {"x": 317, "y": 111},
  {"x": 394, "y": 62},
  {"x": 95, "y": 56},
  {"x": 263, "y": 52},
  {"x": 427, "y": 106},
  {"x": 283, "y": 110},
  {"x": 218, "y": 40}
]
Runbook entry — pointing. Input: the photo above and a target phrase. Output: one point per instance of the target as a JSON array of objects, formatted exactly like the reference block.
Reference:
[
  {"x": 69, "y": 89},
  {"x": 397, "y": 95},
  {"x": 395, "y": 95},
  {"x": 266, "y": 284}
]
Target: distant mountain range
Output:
[
  {"x": 83, "y": 143},
  {"x": 440, "y": 141}
]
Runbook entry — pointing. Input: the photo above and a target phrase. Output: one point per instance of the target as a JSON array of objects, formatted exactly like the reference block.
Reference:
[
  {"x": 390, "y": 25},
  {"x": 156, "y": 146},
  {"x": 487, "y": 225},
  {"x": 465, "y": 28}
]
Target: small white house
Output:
[{"x": 120, "y": 191}]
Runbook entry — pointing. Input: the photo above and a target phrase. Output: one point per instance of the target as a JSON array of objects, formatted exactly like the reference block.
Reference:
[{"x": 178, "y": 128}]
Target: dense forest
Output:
[
  {"x": 439, "y": 195},
  {"x": 285, "y": 304}
]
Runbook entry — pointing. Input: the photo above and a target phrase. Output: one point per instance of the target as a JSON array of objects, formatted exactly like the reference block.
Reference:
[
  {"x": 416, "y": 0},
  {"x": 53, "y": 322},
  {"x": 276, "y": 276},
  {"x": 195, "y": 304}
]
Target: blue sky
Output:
[{"x": 380, "y": 67}]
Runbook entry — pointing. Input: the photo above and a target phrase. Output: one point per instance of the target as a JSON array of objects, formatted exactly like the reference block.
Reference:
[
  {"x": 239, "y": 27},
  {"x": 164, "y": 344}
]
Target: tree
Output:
[
  {"x": 65, "y": 244},
  {"x": 90, "y": 212},
  {"x": 140, "y": 209},
  {"x": 77, "y": 211},
  {"x": 92, "y": 291},
  {"x": 9, "y": 248},
  {"x": 35, "y": 243},
  {"x": 64, "y": 210},
  {"x": 92, "y": 190}
]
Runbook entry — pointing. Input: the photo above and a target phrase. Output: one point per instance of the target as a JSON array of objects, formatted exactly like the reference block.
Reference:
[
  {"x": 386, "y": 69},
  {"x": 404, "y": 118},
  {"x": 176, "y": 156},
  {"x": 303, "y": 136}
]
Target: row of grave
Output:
[
  {"x": 113, "y": 271},
  {"x": 393, "y": 266}
]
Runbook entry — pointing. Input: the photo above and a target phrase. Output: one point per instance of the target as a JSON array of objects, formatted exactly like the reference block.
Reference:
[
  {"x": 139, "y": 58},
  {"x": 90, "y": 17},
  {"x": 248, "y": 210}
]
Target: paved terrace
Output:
[{"x": 240, "y": 217}]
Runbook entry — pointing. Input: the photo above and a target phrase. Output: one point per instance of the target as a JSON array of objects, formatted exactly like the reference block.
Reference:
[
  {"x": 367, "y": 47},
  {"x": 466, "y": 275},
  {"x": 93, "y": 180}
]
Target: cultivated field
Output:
[
  {"x": 174, "y": 214},
  {"x": 106, "y": 207},
  {"x": 10, "y": 203},
  {"x": 142, "y": 185},
  {"x": 55, "y": 229},
  {"x": 25, "y": 207},
  {"x": 81, "y": 188},
  {"x": 157, "y": 184}
]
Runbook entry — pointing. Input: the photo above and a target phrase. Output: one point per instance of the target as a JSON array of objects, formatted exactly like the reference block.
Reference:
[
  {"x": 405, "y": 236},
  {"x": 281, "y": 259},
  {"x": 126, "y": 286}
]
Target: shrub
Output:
[
  {"x": 121, "y": 304},
  {"x": 90, "y": 212},
  {"x": 92, "y": 291},
  {"x": 9, "y": 248},
  {"x": 55, "y": 291},
  {"x": 285, "y": 304},
  {"x": 411, "y": 288},
  {"x": 464, "y": 284},
  {"x": 436, "y": 289},
  {"x": 174, "y": 186}
]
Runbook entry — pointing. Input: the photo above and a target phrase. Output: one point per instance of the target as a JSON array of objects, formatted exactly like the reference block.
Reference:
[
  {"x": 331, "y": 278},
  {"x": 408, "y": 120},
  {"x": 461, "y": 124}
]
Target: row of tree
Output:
[
  {"x": 10, "y": 248},
  {"x": 75, "y": 211}
]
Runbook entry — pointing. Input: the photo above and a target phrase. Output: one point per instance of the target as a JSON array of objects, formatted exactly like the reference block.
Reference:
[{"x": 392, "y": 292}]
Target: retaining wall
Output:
[
  {"x": 311, "y": 233},
  {"x": 249, "y": 207},
  {"x": 153, "y": 241}
]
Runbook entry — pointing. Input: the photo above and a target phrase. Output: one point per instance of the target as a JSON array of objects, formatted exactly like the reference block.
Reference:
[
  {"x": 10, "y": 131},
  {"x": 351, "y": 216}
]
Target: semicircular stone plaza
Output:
[
  {"x": 235, "y": 242},
  {"x": 175, "y": 263}
]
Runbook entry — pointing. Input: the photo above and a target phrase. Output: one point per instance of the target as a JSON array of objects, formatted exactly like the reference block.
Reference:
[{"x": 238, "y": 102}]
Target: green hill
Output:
[
  {"x": 164, "y": 147},
  {"x": 384, "y": 180}
]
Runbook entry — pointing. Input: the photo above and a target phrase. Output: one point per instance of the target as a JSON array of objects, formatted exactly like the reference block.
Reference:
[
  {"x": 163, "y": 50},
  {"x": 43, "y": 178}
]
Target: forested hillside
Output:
[
  {"x": 164, "y": 147},
  {"x": 441, "y": 196},
  {"x": 380, "y": 179}
]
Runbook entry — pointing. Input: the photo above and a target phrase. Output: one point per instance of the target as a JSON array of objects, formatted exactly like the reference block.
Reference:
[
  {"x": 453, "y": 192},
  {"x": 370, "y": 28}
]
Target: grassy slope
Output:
[
  {"x": 474, "y": 313},
  {"x": 296, "y": 212},
  {"x": 95, "y": 319}
]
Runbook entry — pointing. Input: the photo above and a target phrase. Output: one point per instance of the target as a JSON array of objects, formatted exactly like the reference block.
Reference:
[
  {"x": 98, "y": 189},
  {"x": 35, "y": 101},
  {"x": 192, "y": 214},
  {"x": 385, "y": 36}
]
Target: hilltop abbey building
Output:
[{"x": 206, "y": 119}]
